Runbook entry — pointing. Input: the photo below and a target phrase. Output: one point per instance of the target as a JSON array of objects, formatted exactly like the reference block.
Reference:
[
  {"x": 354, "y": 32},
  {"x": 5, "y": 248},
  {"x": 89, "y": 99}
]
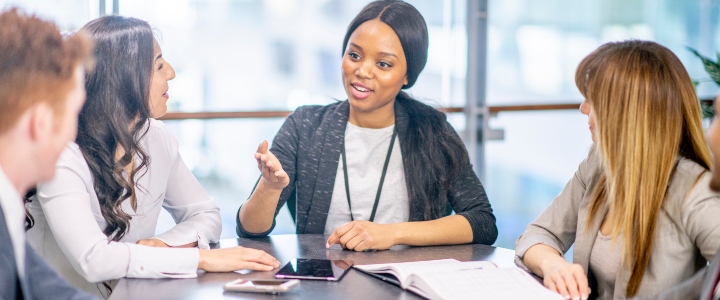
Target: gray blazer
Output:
[
  {"x": 687, "y": 235},
  {"x": 39, "y": 282},
  {"x": 308, "y": 146}
]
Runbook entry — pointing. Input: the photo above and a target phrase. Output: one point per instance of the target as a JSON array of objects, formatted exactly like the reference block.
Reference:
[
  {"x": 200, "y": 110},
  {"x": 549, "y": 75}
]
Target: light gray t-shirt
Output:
[
  {"x": 605, "y": 263},
  {"x": 365, "y": 151}
]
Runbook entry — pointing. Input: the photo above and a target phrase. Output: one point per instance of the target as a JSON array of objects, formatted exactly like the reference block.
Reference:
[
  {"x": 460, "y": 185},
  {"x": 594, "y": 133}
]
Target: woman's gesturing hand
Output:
[
  {"x": 271, "y": 169},
  {"x": 236, "y": 258},
  {"x": 566, "y": 279},
  {"x": 363, "y": 235}
]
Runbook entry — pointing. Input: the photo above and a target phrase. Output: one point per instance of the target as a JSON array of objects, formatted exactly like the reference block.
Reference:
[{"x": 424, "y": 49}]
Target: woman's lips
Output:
[{"x": 360, "y": 91}]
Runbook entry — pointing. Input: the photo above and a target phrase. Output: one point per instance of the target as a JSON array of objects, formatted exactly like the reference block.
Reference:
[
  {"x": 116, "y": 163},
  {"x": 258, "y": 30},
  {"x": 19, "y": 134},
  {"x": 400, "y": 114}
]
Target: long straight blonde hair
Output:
[{"x": 646, "y": 114}]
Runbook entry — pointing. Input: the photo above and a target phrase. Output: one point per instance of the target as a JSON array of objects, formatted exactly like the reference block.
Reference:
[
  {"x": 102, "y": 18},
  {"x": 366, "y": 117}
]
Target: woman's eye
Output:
[
  {"x": 161, "y": 66},
  {"x": 354, "y": 55},
  {"x": 383, "y": 64}
]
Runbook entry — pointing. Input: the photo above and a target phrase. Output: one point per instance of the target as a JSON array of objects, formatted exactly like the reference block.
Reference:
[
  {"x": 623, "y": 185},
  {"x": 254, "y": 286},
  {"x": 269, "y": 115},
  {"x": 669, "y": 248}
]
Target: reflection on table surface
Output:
[{"x": 354, "y": 285}]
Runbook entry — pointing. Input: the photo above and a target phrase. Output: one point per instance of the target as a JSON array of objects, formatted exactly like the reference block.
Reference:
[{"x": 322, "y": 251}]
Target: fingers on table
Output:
[
  {"x": 550, "y": 284},
  {"x": 571, "y": 283},
  {"x": 354, "y": 242},
  {"x": 351, "y": 234},
  {"x": 338, "y": 233},
  {"x": 363, "y": 245},
  {"x": 248, "y": 265},
  {"x": 259, "y": 257},
  {"x": 583, "y": 285}
]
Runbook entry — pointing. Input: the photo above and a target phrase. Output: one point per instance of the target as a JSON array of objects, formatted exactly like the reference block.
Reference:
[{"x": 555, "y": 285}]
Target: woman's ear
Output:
[{"x": 406, "y": 80}]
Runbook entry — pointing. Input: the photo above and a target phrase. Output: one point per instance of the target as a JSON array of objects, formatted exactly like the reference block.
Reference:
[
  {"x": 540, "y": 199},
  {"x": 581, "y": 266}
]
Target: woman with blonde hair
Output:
[{"x": 638, "y": 210}]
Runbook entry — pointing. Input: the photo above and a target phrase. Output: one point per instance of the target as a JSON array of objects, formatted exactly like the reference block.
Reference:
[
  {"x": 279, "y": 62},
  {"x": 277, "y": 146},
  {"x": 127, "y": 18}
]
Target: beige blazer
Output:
[{"x": 687, "y": 235}]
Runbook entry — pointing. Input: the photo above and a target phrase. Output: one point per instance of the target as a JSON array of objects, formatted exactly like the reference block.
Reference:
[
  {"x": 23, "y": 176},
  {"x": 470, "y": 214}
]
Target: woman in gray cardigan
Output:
[
  {"x": 381, "y": 168},
  {"x": 639, "y": 210}
]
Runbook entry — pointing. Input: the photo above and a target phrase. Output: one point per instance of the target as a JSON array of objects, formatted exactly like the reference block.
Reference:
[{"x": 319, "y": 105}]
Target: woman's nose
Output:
[
  {"x": 172, "y": 72},
  {"x": 585, "y": 108},
  {"x": 363, "y": 72}
]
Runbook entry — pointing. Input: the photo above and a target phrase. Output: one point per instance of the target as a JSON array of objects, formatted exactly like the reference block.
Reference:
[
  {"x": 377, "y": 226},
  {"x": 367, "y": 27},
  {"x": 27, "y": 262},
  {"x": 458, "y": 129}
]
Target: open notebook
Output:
[{"x": 452, "y": 279}]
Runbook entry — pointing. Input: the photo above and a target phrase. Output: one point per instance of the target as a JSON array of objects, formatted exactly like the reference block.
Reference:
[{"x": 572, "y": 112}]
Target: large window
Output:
[
  {"x": 272, "y": 55},
  {"x": 533, "y": 50},
  {"x": 69, "y": 15},
  {"x": 279, "y": 54}
]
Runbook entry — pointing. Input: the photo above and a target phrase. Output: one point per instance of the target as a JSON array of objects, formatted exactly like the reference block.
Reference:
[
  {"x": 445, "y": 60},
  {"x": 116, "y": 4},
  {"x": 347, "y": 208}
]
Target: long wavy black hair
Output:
[
  {"x": 116, "y": 112},
  {"x": 437, "y": 153}
]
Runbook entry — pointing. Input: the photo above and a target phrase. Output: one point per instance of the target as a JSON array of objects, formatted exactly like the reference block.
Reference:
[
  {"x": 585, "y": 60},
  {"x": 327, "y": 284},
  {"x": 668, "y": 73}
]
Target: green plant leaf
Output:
[
  {"x": 708, "y": 111},
  {"x": 713, "y": 68}
]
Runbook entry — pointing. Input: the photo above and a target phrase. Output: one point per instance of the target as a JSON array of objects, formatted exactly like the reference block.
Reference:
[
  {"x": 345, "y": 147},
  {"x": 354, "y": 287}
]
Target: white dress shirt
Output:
[
  {"x": 12, "y": 206},
  {"x": 68, "y": 231}
]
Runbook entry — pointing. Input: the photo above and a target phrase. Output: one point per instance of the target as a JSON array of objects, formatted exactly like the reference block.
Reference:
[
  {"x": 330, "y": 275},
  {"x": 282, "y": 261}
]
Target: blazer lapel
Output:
[
  {"x": 327, "y": 142},
  {"x": 17, "y": 286}
]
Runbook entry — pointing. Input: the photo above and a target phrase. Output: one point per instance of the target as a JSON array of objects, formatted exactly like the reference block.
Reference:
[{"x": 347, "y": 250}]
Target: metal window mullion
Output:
[
  {"x": 103, "y": 9},
  {"x": 476, "y": 111}
]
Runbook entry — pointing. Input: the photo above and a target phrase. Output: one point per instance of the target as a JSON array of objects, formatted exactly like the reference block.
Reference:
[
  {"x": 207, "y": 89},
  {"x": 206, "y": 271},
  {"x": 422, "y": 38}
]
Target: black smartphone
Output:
[{"x": 317, "y": 269}]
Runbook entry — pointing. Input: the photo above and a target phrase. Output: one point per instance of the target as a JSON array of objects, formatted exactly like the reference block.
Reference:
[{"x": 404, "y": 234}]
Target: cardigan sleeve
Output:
[
  {"x": 468, "y": 198},
  {"x": 557, "y": 224},
  {"x": 285, "y": 148}
]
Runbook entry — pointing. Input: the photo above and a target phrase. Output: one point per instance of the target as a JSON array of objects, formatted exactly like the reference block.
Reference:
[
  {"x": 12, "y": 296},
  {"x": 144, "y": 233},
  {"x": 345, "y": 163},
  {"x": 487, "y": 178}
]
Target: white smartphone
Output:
[{"x": 269, "y": 286}]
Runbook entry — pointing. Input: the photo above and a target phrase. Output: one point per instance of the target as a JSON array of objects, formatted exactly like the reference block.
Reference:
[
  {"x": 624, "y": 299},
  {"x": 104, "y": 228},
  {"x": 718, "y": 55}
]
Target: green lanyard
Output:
[{"x": 382, "y": 177}]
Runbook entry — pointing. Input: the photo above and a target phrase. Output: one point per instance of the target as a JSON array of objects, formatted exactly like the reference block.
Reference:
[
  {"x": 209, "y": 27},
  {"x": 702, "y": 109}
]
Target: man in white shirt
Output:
[{"x": 41, "y": 93}]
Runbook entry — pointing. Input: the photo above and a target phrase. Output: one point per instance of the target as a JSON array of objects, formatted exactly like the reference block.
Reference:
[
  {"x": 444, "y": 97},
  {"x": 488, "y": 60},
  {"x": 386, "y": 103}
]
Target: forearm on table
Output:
[
  {"x": 180, "y": 243},
  {"x": 539, "y": 255},
  {"x": 258, "y": 212},
  {"x": 188, "y": 245},
  {"x": 200, "y": 230},
  {"x": 450, "y": 230}
]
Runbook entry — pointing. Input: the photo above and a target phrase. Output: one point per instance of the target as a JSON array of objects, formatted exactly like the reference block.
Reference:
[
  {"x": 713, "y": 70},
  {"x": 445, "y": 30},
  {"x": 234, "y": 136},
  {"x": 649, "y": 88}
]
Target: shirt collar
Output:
[{"x": 7, "y": 191}]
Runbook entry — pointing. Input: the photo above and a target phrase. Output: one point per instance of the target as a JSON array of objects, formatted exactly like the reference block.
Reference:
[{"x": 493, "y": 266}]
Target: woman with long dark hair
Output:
[
  {"x": 381, "y": 168},
  {"x": 96, "y": 220}
]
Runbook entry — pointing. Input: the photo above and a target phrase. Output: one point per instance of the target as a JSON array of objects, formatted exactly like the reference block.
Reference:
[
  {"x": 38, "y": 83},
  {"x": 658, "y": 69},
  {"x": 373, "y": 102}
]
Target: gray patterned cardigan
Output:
[{"x": 308, "y": 146}]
